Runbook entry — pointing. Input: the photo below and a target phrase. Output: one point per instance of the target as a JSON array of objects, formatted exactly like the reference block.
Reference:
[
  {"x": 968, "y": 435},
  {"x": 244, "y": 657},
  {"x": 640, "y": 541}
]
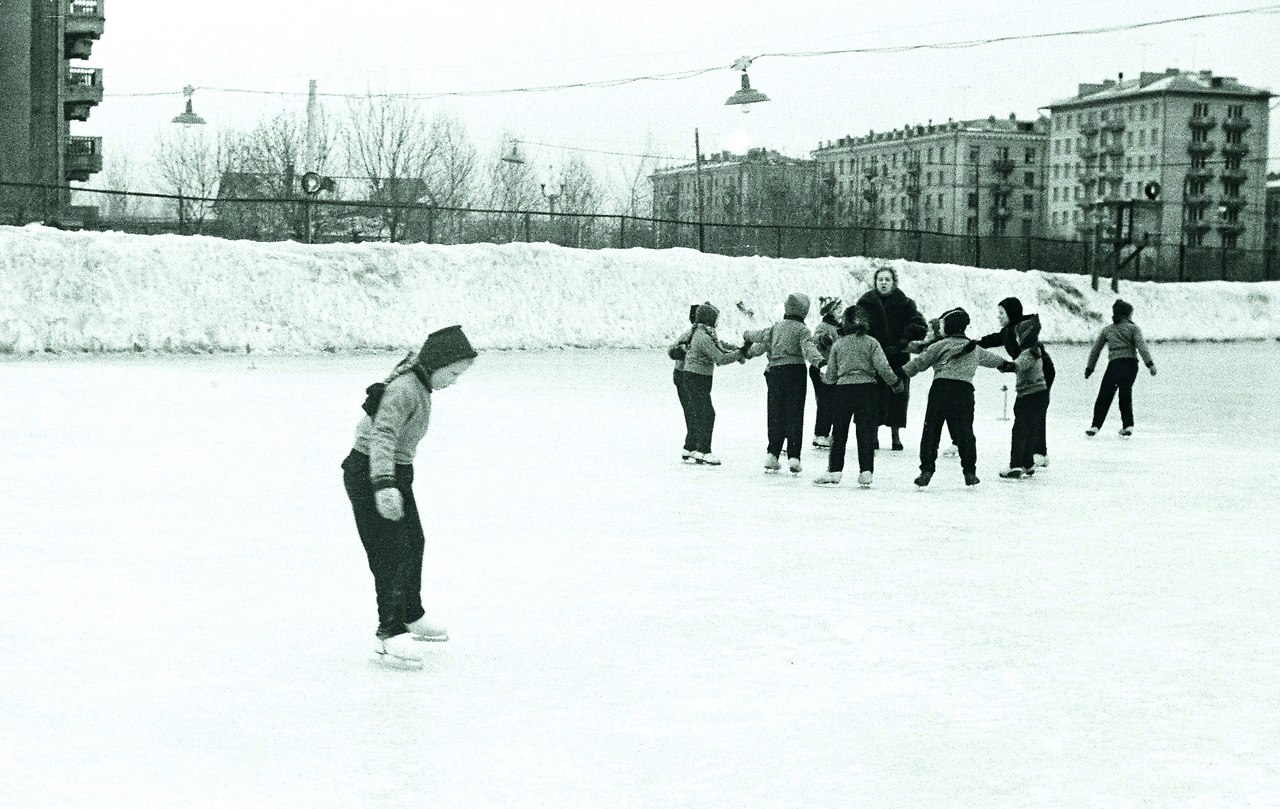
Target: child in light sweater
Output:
[
  {"x": 790, "y": 345},
  {"x": 705, "y": 353},
  {"x": 954, "y": 359},
  {"x": 1124, "y": 343},
  {"x": 854, "y": 364},
  {"x": 1031, "y": 406}
]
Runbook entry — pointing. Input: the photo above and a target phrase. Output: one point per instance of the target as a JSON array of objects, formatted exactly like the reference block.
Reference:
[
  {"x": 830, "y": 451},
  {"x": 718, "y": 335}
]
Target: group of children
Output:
[{"x": 854, "y": 382}]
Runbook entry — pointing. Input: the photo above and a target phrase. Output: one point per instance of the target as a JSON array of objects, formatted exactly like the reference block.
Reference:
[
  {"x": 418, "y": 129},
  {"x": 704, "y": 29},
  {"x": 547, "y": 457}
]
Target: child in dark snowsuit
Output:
[
  {"x": 789, "y": 344},
  {"x": 677, "y": 352},
  {"x": 855, "y": 366},
  {"x": 378, "y": 475},
  {"x": 1032, "y": 402},
  {"x": 705, "y": 353},
  {"x": 1010, "y": 313},
  {"x": 824, "y": 334},
  {"x": 1124, "y": 343},
  {"x": 954, "y": 359}
]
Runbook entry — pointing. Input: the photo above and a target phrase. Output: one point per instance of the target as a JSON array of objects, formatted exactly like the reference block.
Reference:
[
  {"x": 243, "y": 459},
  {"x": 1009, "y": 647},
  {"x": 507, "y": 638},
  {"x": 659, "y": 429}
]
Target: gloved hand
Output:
[
  {"x": 1007, "y": 367},
  {"x": 1088, "y": 372},
  {"x": 1152, "y": 368},
  {"x": 746, "y": 346},
  {"x": 390, "y": 504}
]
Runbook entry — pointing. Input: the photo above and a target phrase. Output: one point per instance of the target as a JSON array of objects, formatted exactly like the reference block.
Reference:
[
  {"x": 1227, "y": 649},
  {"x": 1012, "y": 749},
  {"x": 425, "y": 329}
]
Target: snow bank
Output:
[{"x": 118, "y": 292}]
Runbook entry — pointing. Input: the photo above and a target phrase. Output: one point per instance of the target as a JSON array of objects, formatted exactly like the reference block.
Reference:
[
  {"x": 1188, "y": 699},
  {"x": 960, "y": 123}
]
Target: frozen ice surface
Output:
[{"x": 186, "y": 617}]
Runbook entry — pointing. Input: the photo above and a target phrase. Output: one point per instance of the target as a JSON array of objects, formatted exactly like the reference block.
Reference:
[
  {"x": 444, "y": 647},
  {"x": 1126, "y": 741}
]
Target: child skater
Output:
[
  {"x": 705, "y": 353},
  {"x": 789, "y": 344},
  {"x": 378, "y": 477},
  {"x": 1124, "y": 343},
  {"x": 1010, "y": 314},
  {"x": 954, "y": 359},
  {"x": 854, "y": 363},
  {"x": 824, "y": 334},
  {"x": 677, "y": 352},
  {"x": 1032, "y": 402}
]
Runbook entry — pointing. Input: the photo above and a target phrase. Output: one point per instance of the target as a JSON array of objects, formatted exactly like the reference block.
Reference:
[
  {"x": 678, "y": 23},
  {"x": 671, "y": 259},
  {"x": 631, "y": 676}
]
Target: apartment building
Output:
[
  {"x": 1201, "y": 138},
  {"x": 760, "y": 187},
  {"x": 43, "y": 92},
  {"x": 985, "y": 176}
]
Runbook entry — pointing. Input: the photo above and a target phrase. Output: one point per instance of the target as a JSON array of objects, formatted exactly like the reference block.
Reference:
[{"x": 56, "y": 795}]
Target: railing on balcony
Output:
[
  {"x": 1002, "y": 166},
  {"x": 1087, "y": 152},
  {"x": 83, "y": 157},
  {"x": 1202, "y": 122},
  {"x": 1001, "y": 213},
  {"x": 1200, "y": 173},
  {"x": 82, "y": 91},
  {"x": 1235, "y": 174},
  {"x": 1088, "y": 129},
  {"x": 1197, "y": 198},
  {"x": 1231, "y": 227},
  {"x": 1200, "y": 146},
  {"x": 1113, "y": 125},
  {"x": 1236, "y": 124},
  {"x": 86, "y": 8},
  {"x": 1233, "y": 203},
  {"x": 1115, "y": 149},
  {"x": 1235, "y": 148}
]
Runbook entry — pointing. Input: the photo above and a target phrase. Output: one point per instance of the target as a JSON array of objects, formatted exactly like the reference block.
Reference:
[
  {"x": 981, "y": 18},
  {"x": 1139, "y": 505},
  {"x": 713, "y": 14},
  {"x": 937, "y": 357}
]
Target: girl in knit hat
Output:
[
  {"x": 1032, "y": 402},
  {"x": 378, "y": 478},
  {"x": 677, "y": 352},
  {"x": 824, "y": 334},
  {"x": 1124, "y": 343},
  {"x": 1010, "y": 314},
  {"x": 705, "y": 353},
  {"x": 954, "y": 359},
  {"x": 789, "y": 344},
  {"x": 855, "y": 369}
]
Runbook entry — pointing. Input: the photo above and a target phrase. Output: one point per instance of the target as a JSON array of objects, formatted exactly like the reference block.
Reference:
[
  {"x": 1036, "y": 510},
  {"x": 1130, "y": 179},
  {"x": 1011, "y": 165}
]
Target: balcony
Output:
[
  {"x": 1002, "y": 166},
  {"x": 82, "y": 158},
  {"x": 1113, "y": 125},
  {"x": 1235, "y": 148},
  {"x": 1199, "y": 173},
  {"x": 1110, "y": 175},
  {"x": 1197, "y": 198},
  {"x": 1199, "y": 147},
  {"x": 1196, "y": 226},
  {"x": 1088, "y": 130},
  {"x": 1236, "y": 124},
  {"x": 1233, "y": 203},
  {"x": 913, "y": 167},
  {"x": 869, "y": 194},
  {"x": 1230, "y": 227},
  {"x": 81, "y": 93},
  {"x": 1114, "y": 149},
  {"x": 1202, "y": 122},
  {"x": 84, "y": 24},
  {"x": 1087, "y": 180},
  {"x": 1240, "y": 174},
  {"x": 1000, "y": 214},
  {"x": 1087, "y": 152}
]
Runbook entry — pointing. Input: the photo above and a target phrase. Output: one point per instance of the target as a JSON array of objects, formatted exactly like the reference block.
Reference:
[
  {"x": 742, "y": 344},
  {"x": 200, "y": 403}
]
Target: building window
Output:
[
  {"x": 1155, "y": 136},
  {"x": 1231, "y": 188},
  {"x": 1235, "y": 110},
  {"x": 1232, "y": 162},
  {"x": 1055, "y": 193},
  {"x": 1200, "y": 110},
  {"x": 971, "y": 227},
  {"x": 1029, "y": 179},
  {"x": 1129, "y": 137},
  {"x": 942, "y": 155},
  {"x": 1142, "y": 112},
  {"x": 1026, "y": 227},
  {"x": 1028, "y": 202},
  {"x": 1128, "y": 189},
  {"x": 973, "y": 199},
  {"x": 1234, "y": 136},
  {"x": 939, "y": 200},
  {"x": 1142, "y": 137},
  {"x": 928, "y": 178},
  {"x": 974, "y": 151},
  {"x": 1195, "y": 239},
  {"x": 1131, "y": 112},
  {"x": 1055, "y": 218},
  {"x": 1198, "y": 161},
  {"x": 1030, "y": 156}
]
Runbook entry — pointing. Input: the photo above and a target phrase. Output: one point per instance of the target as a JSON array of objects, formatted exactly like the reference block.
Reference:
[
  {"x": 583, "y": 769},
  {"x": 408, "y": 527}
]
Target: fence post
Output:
[
  {"x": 777, "y": 229},
  {"x": 431, "y": 224},
  {"x": 526, "y": 227},
  {"x": 622, "y": 232}
]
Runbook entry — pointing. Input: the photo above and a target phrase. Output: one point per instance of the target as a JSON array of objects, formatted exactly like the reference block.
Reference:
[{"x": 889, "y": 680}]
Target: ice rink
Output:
[{"x": 186, "y": 616}]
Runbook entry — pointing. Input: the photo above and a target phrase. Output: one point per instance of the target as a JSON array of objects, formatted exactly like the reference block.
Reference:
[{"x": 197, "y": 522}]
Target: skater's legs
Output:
[
  {"x": 796, "y": 392},
  {"x": 959, "y": 418},
  {"x": 698, "y": 387},
  {"x": 866, "y": 416},
  {"x": 678, "y": 378},
  {"x": 774, "y": 411},
  {"x": 1106, "y": 392},
  {"x": 822, "y": 395},
  {"x": 1128, "y": 375},
  {"x": 931, "y": 432},
  {"x": 842, "y": 404},
  {"x": 389, "y": 545}
]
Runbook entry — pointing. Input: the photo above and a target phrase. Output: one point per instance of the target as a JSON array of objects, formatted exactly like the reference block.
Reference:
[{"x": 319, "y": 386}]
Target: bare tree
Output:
[
  {"x": 631, "y": 181},
  {"x": 512, "y": 187},
  {"x": 117, "y": 176},
  {"x": 189, "y": 164},
  {"x": 451, "y": 171},
  {"x": 268, "y": 161},
  {"x": 388, "y": 141},
  {"x": 579, "y": 193}
]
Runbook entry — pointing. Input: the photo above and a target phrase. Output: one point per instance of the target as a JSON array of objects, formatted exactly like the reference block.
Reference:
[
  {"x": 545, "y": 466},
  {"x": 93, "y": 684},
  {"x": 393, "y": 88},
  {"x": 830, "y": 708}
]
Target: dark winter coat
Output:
[
  {"x": 895, "y": 321},
  {"x": 1006, "y": 338}
]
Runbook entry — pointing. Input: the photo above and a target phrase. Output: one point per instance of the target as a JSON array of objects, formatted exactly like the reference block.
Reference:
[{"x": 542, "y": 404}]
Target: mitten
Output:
[
  {"x": 1088, "y": 372},
  {"x": 746, "y": 346},
  {"x": 1007, "y": 367},
  {"x": 390, "y": 504},
  {"x": 1152, "y": 368}
]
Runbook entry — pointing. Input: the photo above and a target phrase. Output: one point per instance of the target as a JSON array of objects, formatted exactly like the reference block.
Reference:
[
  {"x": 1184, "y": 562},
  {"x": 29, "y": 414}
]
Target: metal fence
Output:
[{"x": 319, "y": 220}]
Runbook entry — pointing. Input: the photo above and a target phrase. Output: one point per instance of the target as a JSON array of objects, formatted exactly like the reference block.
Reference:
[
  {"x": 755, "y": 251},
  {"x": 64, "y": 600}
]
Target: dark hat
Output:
[
  {"x": 444, "y": 347},
  {"x": 954, "y": 321},
  {"x": 1121, "y": 310},
  {"x": 1027, "y": 331},
  {"x": 1012, "y": 308},
  {"x": 829, "y": 306},
  {"x": 706, "y": 315},
  {"x": 693, "y": 313}
]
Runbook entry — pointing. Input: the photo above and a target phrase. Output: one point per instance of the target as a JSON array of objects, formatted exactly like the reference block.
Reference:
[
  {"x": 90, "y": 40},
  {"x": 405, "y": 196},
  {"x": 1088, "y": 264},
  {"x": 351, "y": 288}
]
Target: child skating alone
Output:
[
  {"x": 855, "y": 363},
  {"x": 1031, "y": 406},
  {"x": 954, "y": 359},
  {"x": 1124, "y": 343}
]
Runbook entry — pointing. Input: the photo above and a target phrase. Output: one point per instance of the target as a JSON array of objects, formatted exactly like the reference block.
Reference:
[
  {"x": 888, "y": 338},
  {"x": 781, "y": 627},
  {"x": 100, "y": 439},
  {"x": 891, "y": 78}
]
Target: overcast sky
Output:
[{"x": 152, "y": 46}]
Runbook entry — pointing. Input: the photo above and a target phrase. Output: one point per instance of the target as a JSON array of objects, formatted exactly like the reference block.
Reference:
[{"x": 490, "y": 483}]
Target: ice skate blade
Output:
[
  {"x": 432, "y": 638},
  {"x": 390, "y": 661}
]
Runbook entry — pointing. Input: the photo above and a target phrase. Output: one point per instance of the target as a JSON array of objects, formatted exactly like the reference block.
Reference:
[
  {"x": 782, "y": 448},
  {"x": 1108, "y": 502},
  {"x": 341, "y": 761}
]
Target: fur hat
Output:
[
  {"x": 1012, "y": 308},
  {"x": 829, "y": 306},
  {"x": 693, "y": 313},
  {"x": 1027, "y": 331},
  {"x": 444, "y": 347},
  {"x": 856, "y": 319},
  {"x": 954, "y": 321},
  {"x": 1121, "y": 310},
  {"x": 706, "y": 315},
  {"x": 797, "y": 305}
]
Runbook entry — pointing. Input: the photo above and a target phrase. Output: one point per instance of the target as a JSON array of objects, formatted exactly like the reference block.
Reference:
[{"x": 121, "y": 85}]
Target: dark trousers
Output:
[
  {"x": 394, "y": 548},
  {"x": 787, "y": 392},
  {"x": 950, "y": 403},
  {"x": 678, "y": 377},
  {"x": 702, "y": 414},
  {"x": 1042, "y": 444},
  {"x": 822, "y": 395},
  {"x": 861, "y": 404},
  {"x": 1120, "y": 375},
  {"x": 1029, "y": 412}
]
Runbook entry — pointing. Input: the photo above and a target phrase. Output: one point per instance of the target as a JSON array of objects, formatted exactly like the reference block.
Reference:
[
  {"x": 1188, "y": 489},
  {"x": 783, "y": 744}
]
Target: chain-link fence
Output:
[{"x": 320, "y": 220}]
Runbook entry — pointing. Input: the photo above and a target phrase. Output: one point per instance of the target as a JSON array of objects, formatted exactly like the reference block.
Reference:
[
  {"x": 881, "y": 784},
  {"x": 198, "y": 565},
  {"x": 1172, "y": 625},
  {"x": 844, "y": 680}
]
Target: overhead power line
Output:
[{"x": 695, "y": 72}]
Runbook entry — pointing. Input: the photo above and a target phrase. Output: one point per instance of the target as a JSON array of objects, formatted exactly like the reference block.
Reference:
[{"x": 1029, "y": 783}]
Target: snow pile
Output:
[{"x": 117, "y": 292}]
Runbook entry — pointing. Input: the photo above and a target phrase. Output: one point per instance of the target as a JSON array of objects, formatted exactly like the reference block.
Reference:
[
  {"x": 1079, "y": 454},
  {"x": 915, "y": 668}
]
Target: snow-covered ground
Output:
[
  {"x": 186, "y": 615},
  {"x": 116, "y": 292}
]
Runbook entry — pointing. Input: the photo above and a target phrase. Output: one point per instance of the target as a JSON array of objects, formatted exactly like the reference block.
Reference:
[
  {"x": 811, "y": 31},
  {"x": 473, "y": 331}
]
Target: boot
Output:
[
  {"x": 1012, "y": 473},
  {"x": 422, "y": 630},
  {"x": 864, "y": 479},
  {"x": 923, "y": 479},
  {"x": 970, "y": 479},
  {"x": 709, "y": 459},
  {"x": 399, "y": 651},
  {"x": 771, "y": 462},
  {"x": 794, "y": 465},
  {"x": 828, "y": 479}
]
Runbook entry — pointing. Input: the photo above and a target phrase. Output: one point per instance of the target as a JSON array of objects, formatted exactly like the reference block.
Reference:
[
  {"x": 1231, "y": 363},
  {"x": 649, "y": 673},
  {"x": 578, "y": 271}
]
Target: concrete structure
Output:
[
  {"x": 1201, "y": 137},
  {"x": 1271, "y": 228},
  {"x": 984, "y": 177},
  {"x": 760, "y": 187},
  {"x": 42, "y": 94}
]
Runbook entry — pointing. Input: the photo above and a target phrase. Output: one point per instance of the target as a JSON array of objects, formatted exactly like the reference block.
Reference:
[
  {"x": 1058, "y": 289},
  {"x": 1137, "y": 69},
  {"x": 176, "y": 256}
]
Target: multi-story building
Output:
[
  {"x": 1201, "y": 138},
  {"x": 1271, "y": 238},
  {"x": 760, "y": 187},
  {"x": 42, "y": 93},
  {"x": 983, "y": 177}
]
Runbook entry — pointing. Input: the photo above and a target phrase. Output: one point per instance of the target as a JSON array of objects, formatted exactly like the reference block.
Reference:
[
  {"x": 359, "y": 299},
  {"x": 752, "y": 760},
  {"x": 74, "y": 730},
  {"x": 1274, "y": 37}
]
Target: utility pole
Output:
[
  {"x": 310, "y": 158},
  {"x": 977, "y": 212},
  {"x": 697, "y": 161}
]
